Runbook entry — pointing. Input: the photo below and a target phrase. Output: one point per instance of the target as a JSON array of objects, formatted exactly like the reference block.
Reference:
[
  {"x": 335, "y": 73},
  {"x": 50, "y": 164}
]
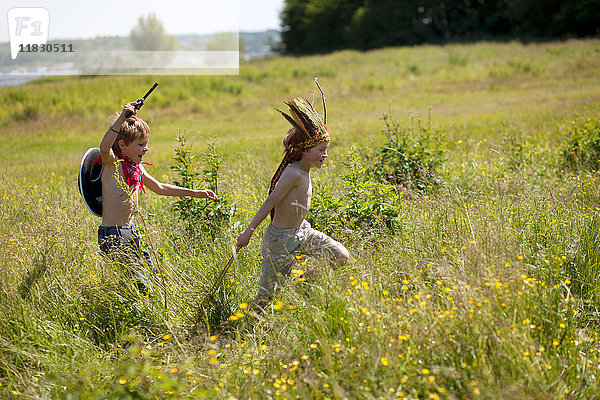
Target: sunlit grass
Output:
[{"x": 488, "y": 289}]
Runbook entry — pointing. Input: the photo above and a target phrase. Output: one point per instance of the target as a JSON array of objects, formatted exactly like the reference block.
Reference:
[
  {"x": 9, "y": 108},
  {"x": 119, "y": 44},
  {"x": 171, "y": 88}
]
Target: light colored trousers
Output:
[{"x": 281, "y": 246}]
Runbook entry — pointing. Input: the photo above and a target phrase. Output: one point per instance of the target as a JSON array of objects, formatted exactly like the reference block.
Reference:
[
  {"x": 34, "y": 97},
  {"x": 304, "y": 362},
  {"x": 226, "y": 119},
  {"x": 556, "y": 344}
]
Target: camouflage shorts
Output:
[
  {"x": 122, "y": 244},
  {"x": 281, "y": 246}
]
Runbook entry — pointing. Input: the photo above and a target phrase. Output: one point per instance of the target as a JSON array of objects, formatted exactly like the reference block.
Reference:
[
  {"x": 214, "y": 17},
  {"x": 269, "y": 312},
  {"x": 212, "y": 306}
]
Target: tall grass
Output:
[{"x": 487, "y": 289}]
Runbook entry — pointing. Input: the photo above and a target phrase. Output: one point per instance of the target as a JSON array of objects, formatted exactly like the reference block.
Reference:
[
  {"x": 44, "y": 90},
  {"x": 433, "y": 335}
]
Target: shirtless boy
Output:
[
  {"x": 122, "y": 149},
  {"x": 289, "y": 234}
]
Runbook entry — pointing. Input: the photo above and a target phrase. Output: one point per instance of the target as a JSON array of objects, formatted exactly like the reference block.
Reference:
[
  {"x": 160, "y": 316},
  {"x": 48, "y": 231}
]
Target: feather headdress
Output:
[{"x": 305, "y": 120}]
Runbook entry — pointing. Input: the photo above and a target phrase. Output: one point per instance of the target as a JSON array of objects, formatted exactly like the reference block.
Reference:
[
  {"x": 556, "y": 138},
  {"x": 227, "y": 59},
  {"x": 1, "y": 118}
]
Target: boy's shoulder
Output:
[{"x": 293, "y": 171}]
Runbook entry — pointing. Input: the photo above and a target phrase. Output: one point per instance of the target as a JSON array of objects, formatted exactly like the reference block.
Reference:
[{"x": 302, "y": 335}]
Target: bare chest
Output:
[
  {"x": 118, "y": 199},
  {"x": 295, "y": 205}
]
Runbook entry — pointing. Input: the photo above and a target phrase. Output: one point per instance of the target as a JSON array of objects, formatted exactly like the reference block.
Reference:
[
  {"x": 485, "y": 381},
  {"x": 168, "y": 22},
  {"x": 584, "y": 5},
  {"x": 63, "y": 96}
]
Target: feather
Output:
[
  {"x": 302, "y": 120},
  {"x": 292, "y": 121},
  {"x": 309, "y": 111},
  {"x": 305, "y": 119}
]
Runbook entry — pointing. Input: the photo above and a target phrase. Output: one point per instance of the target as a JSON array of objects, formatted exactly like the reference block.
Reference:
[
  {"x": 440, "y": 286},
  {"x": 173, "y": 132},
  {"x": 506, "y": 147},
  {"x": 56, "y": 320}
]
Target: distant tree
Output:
[
  {"x": 578, "y": 18},
  {"x": 389, "y": 23},
  {"x": 470, "y": 20},
  {"x": 226, "y": 41},
  {"x": 149, "y": 35},
  {"x": 311, "y": 26},
  {"x": 555, "y": 18},
  {"x": 293, "y": 26},
  {"x": 317, "y": 25}
]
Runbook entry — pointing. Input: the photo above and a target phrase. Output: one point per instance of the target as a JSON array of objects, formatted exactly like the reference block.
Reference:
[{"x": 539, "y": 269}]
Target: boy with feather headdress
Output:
[{"x": 289, "y": 234}]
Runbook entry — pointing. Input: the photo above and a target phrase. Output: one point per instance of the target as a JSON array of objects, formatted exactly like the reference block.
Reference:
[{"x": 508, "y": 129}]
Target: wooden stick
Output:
[
  {"x": 323, "y": 99},
  {"x": 222, "y": 274}
]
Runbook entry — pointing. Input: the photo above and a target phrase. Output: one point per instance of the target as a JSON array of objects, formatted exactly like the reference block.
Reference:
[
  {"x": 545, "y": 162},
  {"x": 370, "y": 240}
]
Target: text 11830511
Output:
[{"x": 46, "y": 48}]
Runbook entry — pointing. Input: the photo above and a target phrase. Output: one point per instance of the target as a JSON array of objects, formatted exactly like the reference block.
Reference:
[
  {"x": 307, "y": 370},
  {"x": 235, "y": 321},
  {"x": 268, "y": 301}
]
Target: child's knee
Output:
[{"x": 342, "y": 256}]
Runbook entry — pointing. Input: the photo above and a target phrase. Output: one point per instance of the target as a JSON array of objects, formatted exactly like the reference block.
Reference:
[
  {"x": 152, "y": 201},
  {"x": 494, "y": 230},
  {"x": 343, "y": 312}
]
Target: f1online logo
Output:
[{"x": 27, "y": 26}]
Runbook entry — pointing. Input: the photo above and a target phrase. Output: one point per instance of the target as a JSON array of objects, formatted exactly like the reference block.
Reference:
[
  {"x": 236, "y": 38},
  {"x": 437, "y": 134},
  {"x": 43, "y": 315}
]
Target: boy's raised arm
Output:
[{"x": 111, "y": 134}]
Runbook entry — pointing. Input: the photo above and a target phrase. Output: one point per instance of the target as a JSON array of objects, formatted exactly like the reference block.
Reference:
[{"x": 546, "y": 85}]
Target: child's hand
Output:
[
  {"x": 244, "y": 238},
  {"x": 129, "y": 109},
  {"x": 207, "y": 194}
]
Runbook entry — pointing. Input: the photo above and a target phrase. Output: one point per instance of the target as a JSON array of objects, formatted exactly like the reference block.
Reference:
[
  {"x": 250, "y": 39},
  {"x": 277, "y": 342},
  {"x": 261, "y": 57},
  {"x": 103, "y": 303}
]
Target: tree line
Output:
[{"x": 311, "y": 26}]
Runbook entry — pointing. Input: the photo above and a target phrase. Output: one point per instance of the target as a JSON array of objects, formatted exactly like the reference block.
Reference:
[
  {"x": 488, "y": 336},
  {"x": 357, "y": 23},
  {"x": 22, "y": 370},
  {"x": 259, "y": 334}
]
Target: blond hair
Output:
[{"x": 134, "y": 128}]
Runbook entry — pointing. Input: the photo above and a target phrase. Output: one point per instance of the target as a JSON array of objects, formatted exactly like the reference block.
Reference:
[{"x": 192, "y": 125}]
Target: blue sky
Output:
[{"x": 75, "y": 19}]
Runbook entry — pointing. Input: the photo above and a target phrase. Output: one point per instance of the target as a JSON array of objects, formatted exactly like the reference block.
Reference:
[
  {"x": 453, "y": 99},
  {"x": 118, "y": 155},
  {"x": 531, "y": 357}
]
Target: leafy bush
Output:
[
  {"x": 209, "y": 217},
  {"x": 411, "y": 157},
  {"x": 581, "y": 148},
  {"x": 370, "y": 201},
  {"x": 365, "y": 205}
]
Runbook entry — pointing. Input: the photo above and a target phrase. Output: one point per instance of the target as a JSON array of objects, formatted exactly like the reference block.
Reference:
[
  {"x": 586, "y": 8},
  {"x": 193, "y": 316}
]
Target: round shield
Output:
[{"x": 90, "y": 184}]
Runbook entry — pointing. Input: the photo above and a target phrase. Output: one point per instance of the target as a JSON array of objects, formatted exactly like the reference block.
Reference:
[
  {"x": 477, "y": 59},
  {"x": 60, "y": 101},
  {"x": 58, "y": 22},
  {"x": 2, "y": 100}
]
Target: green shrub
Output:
[
  {"x": 208, "y": 217},
  {"x": 411, "y": 157},
  {"x": 365, "y": 205},
  {"x": 581, "y": 147},
  {"x": 26, "y": 112}
]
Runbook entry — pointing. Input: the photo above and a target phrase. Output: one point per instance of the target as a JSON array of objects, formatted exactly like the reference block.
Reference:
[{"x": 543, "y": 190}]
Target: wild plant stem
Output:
[{"x": 160, "y": 270}]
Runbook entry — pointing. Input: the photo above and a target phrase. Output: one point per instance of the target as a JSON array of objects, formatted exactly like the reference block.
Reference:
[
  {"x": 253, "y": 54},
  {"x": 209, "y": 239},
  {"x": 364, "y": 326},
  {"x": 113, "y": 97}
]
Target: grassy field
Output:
[{"x": 487, "y": 288}]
